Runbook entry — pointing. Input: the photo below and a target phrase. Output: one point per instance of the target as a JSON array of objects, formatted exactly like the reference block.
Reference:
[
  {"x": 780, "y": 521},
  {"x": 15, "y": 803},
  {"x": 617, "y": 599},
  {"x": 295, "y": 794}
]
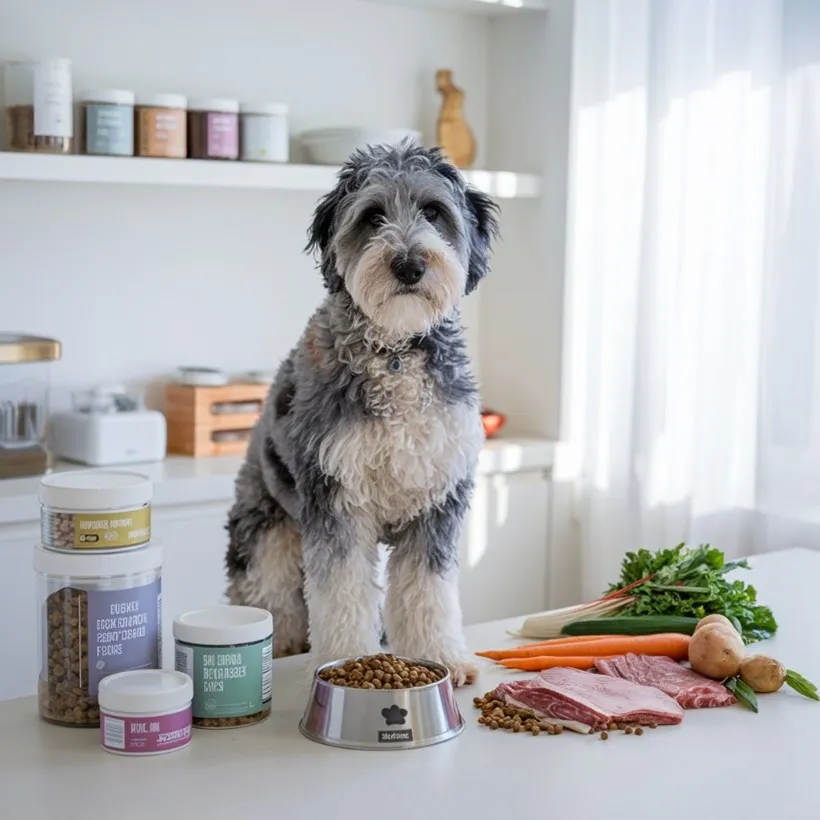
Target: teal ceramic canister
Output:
[{"x": 107, "y": 123}]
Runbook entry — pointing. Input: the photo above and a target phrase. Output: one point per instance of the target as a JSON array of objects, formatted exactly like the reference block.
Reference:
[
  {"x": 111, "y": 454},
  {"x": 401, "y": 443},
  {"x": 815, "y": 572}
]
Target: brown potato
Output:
[
  {"x": 715, "y": 619},
  {"x": 762, "y": 673},
  {"x": 716, "y": 651}
]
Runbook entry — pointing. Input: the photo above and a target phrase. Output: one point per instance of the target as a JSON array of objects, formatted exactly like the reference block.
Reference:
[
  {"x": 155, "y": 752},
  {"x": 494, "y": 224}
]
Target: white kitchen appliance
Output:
[{"x": 108, "y": 427}]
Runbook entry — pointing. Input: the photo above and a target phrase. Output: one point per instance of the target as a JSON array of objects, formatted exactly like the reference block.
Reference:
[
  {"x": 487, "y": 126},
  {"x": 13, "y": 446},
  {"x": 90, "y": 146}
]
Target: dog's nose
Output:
[{"x": 409, "y": 271}]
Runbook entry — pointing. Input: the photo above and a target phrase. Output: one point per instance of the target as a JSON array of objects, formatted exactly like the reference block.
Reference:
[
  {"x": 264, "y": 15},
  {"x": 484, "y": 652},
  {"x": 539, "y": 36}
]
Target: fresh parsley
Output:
[{"x": 692, "y": 583}]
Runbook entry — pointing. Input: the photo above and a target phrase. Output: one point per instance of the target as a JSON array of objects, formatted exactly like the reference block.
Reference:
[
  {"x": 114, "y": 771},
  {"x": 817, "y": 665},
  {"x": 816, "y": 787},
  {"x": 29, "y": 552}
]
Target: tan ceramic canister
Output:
[{"x": 160, "y": 122}]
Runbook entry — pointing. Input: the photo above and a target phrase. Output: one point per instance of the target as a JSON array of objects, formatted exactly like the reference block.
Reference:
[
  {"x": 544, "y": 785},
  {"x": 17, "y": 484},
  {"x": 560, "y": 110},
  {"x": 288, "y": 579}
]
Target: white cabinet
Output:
[
  {"x": 505, "y": 547},
  {"x": 504, "y": 550},
  {"x": 193, "y": 575}
]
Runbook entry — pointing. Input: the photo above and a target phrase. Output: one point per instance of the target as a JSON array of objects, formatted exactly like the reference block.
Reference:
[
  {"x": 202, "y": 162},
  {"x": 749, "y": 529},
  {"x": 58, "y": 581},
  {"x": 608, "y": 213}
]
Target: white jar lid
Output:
[
  {"x": 224, "y": 625},
  {"x": 79, "y": 564},
  {"x": 218, "y": 105},
  {"x": 95, "y": 490},
  {"x": 162, "y": 100},
  {"x": 259, "y": 376},
  {"x": 202, "y": 376},
  {"x": 275, "y": 109},
  {"x": 112, "y": 97},
  {"x": 145, "y": 691}
]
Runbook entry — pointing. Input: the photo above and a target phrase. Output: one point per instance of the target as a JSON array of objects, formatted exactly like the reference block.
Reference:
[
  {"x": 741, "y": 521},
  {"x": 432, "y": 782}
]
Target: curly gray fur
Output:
[{"x": 371, "y": 430}]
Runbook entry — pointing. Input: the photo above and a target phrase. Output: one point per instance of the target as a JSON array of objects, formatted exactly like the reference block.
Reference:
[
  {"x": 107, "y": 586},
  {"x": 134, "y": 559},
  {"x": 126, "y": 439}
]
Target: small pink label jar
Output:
[
  {"x": 213, "y": 129},
  {"x": 145, "y": 712}
]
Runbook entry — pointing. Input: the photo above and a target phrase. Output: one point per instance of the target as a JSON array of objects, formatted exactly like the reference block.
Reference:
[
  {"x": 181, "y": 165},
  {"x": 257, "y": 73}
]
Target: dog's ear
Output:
[
  {"x": 320, "y": 234},
  {"x": 483, "y": 224}
]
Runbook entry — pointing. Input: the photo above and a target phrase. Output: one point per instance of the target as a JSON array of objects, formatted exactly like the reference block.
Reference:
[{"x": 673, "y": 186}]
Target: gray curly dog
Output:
[{"x": 371, "y": 431}]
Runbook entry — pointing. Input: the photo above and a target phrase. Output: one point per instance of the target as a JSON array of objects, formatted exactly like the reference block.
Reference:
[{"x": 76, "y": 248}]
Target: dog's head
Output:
[{"x": 404, "y": 235}]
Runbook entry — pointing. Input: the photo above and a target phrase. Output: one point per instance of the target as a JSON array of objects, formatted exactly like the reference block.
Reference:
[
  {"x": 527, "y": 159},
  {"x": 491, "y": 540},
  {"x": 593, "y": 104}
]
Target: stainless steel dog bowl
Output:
[{"x": 382, "y": 719}]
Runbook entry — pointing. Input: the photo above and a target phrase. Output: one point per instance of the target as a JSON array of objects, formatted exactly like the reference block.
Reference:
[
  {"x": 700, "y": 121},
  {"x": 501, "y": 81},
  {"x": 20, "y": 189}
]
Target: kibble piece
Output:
[
  {"x": 604, "y": 736},
  {"x": 613, "y": 726},
  {"x": 493, "y": 724},
  {"x": 639, "y": 731},
  {"x": 628, "y": 730}
]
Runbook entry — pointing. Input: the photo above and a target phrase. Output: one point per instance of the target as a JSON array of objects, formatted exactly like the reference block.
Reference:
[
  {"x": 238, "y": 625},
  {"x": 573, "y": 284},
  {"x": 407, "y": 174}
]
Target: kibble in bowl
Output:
[
  {"x": 382, "y": 671},
  {"x": 381, "y": 702}
]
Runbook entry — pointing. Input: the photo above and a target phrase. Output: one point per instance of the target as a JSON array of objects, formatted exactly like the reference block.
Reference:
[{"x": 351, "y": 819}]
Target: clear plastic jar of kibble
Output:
[
  {"x": 95, "y": 510},
  {"x": 99, "y": 613}
]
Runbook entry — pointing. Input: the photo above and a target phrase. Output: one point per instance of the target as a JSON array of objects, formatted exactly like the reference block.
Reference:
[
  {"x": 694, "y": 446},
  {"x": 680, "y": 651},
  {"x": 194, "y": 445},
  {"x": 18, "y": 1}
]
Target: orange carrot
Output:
[
  {"x": 499, "y": 654},
  {"x": 671, "y": 645},
  {"x": 549, "y": 661}
]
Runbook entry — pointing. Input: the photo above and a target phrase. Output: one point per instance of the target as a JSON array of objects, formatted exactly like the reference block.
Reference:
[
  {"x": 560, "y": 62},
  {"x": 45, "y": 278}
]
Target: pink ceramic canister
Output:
[
  {"x": 213, "y": 129},
  {"x": 145, "y": 712}
]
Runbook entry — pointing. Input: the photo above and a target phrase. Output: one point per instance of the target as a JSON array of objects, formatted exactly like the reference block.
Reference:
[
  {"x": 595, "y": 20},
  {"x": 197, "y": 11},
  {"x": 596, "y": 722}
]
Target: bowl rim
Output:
[{"x": 416, "y": 661}]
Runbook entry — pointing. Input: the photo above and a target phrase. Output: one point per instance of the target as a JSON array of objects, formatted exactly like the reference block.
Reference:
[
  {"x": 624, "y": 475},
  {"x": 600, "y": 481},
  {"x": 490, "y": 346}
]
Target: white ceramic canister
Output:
[
  {"x": 95, "y": 510},
  {"x": 145, "y": 712},
  {"x": 264, "y": 134},
  {"x": 38, "y": 99}
]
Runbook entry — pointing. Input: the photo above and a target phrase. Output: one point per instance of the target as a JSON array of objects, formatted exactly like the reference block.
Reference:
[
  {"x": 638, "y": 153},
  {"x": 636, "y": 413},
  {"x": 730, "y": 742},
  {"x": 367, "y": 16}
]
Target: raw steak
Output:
[
  {"x": 581, "y": 700},
  {"x": 690, "y": 689}
]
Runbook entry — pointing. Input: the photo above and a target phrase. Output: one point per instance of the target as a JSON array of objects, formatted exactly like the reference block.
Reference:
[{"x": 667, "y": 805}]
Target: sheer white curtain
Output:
[{"x": 692, "y": 338}]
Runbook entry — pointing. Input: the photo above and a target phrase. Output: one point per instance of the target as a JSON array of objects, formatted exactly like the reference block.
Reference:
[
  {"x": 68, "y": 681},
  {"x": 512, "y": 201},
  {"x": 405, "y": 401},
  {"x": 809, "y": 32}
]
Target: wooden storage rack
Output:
[{"x": 193, "y": 421}]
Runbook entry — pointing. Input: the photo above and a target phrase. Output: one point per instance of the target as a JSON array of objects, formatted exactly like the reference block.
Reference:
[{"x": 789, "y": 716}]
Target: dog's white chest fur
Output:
[{"x": 410, "y": 451}]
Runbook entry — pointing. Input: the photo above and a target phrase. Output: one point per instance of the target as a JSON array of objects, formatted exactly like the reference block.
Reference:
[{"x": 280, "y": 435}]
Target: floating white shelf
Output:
[
  {"x": 485, "y": 7},
  {"x": 214, "y": 174}
]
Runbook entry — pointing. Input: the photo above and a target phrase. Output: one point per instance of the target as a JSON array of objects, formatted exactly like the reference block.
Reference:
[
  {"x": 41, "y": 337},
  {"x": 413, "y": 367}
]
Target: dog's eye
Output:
[
  {"x": 431, "y": 212},
  {"x": 373, "y": 217}
]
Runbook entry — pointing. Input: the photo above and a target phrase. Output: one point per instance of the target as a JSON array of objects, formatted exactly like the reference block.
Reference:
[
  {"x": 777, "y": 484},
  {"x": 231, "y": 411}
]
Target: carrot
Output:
[
  {"x": 672, "y": 645},
  {"x": 549, "y": 661},
  {"x": 499, "y": 654}
]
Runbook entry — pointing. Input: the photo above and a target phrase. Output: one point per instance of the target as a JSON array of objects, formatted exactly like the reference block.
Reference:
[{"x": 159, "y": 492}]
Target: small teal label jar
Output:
[
  {"x": 107, "y": 124},
  {"x": 227, "y": 651}
]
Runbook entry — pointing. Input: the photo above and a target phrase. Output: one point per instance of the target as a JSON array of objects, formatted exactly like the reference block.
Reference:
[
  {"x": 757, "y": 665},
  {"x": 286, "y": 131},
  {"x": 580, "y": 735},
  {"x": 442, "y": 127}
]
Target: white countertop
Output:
[
  {"x": 179, "y": 480},
  {"x": 726, "y": 762}
]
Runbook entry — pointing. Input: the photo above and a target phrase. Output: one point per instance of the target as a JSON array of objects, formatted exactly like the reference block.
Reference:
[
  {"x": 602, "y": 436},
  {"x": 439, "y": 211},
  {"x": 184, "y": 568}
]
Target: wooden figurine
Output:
[{"x": 453, "y": 133}]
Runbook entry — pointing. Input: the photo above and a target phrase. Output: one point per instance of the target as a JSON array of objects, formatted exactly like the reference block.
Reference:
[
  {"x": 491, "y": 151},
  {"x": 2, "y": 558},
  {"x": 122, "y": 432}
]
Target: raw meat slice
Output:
[
  {"x": 690, "y": 689},
  {"x": 529, "y": 694},
  {"x": 581, "y": 700}
]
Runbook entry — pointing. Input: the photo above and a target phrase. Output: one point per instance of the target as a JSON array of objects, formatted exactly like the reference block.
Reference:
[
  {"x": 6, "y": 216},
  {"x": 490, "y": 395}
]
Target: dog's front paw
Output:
[{"x": 462, "y": 671}]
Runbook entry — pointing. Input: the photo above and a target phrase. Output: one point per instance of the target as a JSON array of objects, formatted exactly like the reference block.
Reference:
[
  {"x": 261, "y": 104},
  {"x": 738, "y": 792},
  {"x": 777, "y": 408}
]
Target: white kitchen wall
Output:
[
  {"x": 529, "y": 71},
  {"x": 138, "y": 281}
]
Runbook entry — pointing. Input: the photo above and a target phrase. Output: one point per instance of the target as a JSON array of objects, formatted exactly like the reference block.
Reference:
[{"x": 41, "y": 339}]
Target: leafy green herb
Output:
[
  {"x": 801, "y": 685},
  {"x": 743, "y": 692},
  {"x": 692, "y": 583}
]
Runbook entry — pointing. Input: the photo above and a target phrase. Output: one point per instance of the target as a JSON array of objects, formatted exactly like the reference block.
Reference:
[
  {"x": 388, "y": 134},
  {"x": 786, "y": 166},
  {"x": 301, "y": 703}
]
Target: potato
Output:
[
  {"x": 762, "y": 673},
  {"x": 716, "y": 651},
  {"x": 715, "y": 619}
]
